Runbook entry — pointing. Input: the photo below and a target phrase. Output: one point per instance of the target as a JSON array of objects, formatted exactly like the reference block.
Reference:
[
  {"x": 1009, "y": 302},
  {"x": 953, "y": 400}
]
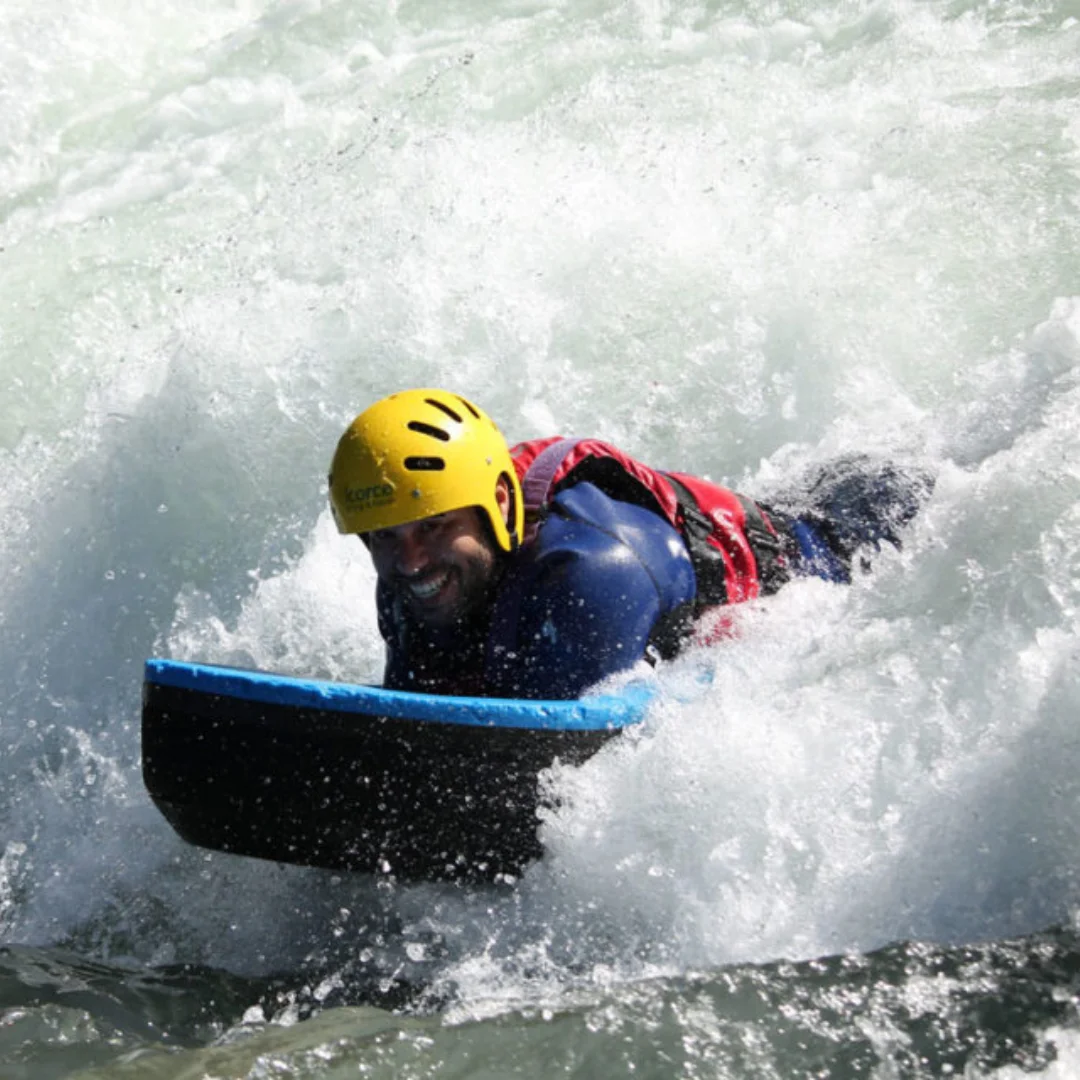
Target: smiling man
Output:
[
  {"x": 440, "y": 568},
  {"x": 537, "y": 571}
]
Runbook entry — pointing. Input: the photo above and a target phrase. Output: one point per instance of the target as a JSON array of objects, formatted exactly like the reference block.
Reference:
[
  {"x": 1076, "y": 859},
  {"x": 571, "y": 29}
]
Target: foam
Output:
[{"x": 732, "y": 243}]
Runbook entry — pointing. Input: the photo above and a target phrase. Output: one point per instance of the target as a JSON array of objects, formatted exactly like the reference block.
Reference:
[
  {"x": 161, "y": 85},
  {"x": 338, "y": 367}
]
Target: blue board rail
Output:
[{"x": 601, "y": 712}]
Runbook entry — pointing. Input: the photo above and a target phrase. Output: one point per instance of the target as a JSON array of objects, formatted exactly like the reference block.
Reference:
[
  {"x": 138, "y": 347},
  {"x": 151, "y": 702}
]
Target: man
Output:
[{"x": 538, "y": 571}]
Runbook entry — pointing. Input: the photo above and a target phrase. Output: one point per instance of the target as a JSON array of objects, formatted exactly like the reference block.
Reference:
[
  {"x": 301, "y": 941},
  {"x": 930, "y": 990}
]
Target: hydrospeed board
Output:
[{"x": 354, "y": 777}]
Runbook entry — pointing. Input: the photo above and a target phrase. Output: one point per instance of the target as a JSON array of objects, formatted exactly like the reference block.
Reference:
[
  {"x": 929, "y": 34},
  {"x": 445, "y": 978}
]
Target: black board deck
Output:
[{"x": 357, "y": 778}]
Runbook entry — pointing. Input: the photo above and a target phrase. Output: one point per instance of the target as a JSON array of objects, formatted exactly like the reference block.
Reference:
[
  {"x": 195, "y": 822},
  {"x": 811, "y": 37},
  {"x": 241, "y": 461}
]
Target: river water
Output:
[{"x": 735, "y": 238}]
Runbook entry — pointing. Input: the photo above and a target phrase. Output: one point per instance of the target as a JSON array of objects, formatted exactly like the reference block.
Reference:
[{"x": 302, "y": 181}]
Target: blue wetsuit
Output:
[
  {"x": 585, "y": 598},
  {"x": 603, "y": 579},
  {"x": 578, "y": 603}
]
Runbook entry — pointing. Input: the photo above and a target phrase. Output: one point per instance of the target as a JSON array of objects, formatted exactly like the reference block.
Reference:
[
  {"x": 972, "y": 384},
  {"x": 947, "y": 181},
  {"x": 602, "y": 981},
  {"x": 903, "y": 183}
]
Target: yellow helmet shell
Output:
[{"x": 418, "y": 453}]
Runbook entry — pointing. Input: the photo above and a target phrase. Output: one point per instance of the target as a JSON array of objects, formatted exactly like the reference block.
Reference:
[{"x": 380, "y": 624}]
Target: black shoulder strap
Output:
[{"x": 696, "y": 527}]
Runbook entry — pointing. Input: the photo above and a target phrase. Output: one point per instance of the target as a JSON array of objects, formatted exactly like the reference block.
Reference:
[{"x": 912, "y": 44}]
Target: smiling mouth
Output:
[{"x": 428, "y": 588}]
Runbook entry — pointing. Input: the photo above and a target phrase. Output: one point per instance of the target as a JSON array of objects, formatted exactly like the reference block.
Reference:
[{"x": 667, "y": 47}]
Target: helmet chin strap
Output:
[{"x": 509, "y": 509}]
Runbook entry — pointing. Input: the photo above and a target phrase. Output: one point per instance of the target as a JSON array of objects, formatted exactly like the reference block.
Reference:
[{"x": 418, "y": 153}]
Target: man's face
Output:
[{"x": 440, "y": 567}]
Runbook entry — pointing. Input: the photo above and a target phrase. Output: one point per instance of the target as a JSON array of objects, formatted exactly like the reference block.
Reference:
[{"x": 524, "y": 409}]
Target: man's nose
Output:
[{"x": 412, "y": 554}]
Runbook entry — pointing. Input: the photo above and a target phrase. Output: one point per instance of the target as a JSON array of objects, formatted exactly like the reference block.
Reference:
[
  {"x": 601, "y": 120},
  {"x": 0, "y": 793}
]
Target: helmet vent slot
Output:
[
  {"x": 425, "y": 464},
  {"x": 429, "y": 429},
  {"x": 443, "y": 407},
  {"x": 470, "y": 406}
]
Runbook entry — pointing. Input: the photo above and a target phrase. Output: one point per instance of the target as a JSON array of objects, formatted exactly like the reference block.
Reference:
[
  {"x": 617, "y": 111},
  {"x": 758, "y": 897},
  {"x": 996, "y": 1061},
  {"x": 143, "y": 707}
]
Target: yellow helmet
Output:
[{"x": 418, "y": 453}]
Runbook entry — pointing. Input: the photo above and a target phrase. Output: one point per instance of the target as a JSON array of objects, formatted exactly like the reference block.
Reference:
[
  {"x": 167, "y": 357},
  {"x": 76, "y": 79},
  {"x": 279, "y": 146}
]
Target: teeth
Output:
[{"x": 423, "y": 590}]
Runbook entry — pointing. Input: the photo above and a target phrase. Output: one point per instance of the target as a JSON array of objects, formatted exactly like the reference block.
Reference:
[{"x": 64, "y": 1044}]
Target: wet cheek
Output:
[{"x": 382, "y": 560}]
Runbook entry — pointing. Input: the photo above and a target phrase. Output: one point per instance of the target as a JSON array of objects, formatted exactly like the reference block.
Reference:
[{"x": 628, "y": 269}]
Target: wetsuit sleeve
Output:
[
  {"x": 603, "y": 575},
  {"x": 396, "y": 670},
  {"x": 397, "y": 675}
]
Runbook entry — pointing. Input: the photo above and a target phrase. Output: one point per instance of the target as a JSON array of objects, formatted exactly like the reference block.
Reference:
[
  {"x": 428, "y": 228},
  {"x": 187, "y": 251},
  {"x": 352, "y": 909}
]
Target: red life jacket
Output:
[{"x": 736, "y": 551}]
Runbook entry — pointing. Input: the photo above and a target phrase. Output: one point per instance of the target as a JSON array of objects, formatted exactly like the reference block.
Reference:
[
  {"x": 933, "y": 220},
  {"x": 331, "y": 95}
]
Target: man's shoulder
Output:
[{"x": 604, "y": 538}]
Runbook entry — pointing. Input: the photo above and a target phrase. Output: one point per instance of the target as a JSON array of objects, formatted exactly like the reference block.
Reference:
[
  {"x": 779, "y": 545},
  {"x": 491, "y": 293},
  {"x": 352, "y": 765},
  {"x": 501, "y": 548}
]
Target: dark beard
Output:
[{"x": 447, "y": 659}]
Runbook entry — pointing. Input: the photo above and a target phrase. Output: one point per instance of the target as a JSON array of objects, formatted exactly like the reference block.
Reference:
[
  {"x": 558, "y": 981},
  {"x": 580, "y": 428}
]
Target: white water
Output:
[{"x": 734, "y": 240}]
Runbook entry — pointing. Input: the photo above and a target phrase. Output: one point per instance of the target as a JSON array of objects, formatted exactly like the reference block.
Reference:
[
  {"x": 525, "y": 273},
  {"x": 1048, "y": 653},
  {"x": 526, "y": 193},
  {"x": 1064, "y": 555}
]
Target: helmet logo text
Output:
[{"x": 366, "y": 498}]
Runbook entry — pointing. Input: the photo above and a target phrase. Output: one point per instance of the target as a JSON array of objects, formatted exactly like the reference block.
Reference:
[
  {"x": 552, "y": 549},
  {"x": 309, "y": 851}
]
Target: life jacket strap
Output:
[
  {"x": 536, "y": 485},
  {"x": 537, "y": 481}
]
